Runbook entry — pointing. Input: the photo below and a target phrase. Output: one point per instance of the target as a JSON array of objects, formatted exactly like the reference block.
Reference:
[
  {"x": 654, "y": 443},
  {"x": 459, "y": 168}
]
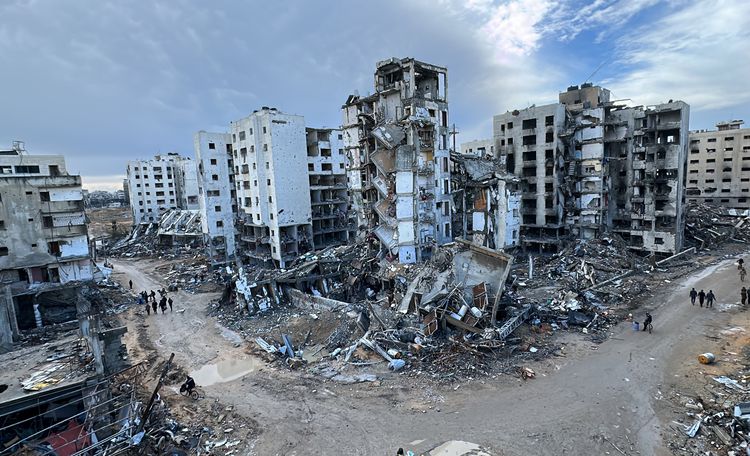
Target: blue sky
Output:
[{"x": 107, "y": 81}]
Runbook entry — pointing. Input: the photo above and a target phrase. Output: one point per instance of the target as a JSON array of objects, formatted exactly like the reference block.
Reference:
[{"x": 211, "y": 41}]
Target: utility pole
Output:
[
  {"x": 147, "y": 410},
  {"x": 453, "y": 133}
]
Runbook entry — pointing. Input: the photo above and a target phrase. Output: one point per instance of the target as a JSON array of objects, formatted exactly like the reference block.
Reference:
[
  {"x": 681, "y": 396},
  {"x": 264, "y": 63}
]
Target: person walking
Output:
[
  {"x": 693, "y": 295},
  {"x": 743, "y": 295},
  {"x": 710, "y": 299},
  {"x": 148, "y": 309},
  {"x": 647, "y": 322},
  {"x": 701, "y": 297},
  {"x": 163, "y": 304},
  {"x": 169, "y": 301},
  {"x": 153, "y": 296},
  {"x": 743, "y": 274},
  {"x": 153, "y": 306},
  {"x": 130, "y": 282}
]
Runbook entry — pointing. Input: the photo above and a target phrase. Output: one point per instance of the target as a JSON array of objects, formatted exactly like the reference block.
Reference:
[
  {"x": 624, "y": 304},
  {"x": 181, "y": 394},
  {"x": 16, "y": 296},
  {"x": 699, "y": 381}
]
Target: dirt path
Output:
[
  {"x": 606, "y": 400},
  {"x": 195, "y": 339}
]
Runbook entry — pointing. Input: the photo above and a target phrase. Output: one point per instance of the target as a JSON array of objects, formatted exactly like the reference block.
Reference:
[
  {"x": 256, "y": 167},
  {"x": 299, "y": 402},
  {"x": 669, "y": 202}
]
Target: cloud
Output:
[{"x": 696, "y": 54}]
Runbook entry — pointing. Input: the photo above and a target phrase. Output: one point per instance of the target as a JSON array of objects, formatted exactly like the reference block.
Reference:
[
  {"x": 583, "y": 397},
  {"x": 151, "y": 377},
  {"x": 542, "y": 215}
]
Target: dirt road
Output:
[{"x": 596, "y": 400}]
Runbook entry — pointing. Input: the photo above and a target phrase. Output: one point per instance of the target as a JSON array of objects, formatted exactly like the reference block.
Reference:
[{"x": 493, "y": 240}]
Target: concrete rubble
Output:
[{"x": 177, "y": 232}]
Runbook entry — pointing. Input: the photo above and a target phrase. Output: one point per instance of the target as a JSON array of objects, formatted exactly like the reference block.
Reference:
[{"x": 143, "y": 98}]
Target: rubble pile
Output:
[
  {"x": 177, "y": 233},
  {"x": 422, "y": 317},
  {"x": 716, "y": 423},
  {"x": 709, "y": 225},
  {"x": 193, "y": 275}
]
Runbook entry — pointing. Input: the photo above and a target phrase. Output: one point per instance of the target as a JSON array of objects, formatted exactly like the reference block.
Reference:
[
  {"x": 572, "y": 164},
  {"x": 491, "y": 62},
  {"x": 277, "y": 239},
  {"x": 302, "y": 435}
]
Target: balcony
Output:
[
  {"x": 382, "y": 187},
  {"x": 65, "y": 231},
  {"x": 384, "y": 209},
  {"x": 50, "y": 207}
]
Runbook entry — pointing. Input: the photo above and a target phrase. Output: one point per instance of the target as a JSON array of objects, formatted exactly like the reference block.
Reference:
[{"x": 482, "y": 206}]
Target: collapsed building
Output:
[
  {"x": 719, "y": 166},
  {"x": 396, "y": 141},
  {"x": 487, "y": 202},
  {"x": 290, "y": 185},
  {"x": 588, "y": 165},
  {"x": 44, "y": 244},
  {"x": 165, "y": 182}
]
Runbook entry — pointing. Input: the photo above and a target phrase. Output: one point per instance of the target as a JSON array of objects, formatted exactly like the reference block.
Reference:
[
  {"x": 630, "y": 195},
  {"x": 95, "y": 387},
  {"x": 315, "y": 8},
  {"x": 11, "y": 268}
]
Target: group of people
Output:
[
  {"x": 149, "y": 299},
  {"x": 703, "y": 297}
]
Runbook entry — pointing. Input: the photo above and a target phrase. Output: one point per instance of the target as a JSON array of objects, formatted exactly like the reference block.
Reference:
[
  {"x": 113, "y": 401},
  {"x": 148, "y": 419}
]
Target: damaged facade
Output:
[
  {"x": 397, "y": 145},
  {"x": 719, "y": 166},
  {"x": 44, "y": 242},
  {"x": 218, "y": 197},
  {"x": 165, "y": 182},
  {"x": 291, "y": 187},
  {"x": 329, "y": 196},
  {"x": 588, "y": 166},
  {"x": 488, "y": 200}
]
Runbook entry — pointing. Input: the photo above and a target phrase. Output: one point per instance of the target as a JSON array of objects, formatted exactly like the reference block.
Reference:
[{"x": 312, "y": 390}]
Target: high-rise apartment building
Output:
[
  {"x": 273, "y": 186},
  {"x": 165, "y": 182},
  {"x": 329, "y": 197},
  {"x": 217, "y": 194},
  {"x": 399, "y": 160},
  {"x": 589, "y": 166},
  {"x": 719, "y": 166}
]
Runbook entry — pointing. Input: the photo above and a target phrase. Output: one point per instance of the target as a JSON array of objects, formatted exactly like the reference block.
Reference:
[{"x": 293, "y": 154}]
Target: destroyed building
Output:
[
  {"x": 488, "y": 201},
  {"x": 719, "y": 166},
  {"x": 291, "y": 187},
  {"x": 44, "y": 242},
  {"x": 396, "y": 141},
  {"x": 479, "y": 148},
  {"x": 218, "y": 197},
  {"x": 165, "y": 182},
  {"x": 588, "y": 165},
  {"x": 329, "y": 196}
]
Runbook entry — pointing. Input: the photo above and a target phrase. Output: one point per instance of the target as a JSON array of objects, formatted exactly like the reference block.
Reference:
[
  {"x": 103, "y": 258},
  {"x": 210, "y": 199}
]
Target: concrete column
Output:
[{"x": 8, "y": 322}]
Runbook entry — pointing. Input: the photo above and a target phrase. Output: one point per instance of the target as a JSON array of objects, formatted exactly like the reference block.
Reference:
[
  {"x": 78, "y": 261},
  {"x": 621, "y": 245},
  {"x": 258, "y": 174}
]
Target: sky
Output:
[{"x": 104, "y": 82}]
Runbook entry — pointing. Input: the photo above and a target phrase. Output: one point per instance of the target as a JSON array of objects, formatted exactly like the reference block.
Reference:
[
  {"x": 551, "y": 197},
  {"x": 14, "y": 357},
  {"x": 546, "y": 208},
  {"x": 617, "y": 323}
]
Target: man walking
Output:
[
  {"x": 701, "y": 297},
  {"x": 153, "y": 306},
  {"x": 743, "y": 296},
  {"x": 148, "y": 309},
  {"x": 130, "y": 282},
  {"x": 153, "y": 296},
  {"x": 693, "y": 295},
  {"x": 710, "y": 299},
  {"x": 163, "y": 304},
  {"x": 169, "y": 301}
]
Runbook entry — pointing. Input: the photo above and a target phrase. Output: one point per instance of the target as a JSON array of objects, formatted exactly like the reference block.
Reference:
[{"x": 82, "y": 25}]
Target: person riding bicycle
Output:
[
  {"x": 647, "y": 322},
  {"x": 189, "y": 385}
]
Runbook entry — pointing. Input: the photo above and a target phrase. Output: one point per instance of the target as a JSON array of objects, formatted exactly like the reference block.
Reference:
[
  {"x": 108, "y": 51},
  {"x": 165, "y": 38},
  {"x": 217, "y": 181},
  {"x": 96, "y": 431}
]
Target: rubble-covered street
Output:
[{"x": 586, "y": 397}]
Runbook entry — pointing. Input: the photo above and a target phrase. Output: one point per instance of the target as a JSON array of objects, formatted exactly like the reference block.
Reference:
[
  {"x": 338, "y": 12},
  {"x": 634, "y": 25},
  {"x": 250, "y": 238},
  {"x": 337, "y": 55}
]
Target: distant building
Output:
[
  {"x": 589, "y": 166},
  {"x": 162, "y": 183},
  {"x": 126, "y": 192},
  {"x": 399, "y": 159},
  {"x": 217, "y": 194},
  {"x": 719, "y": 166},
  {"x": 479, "y": 148},
  {"x": 44, "y": 240}
]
